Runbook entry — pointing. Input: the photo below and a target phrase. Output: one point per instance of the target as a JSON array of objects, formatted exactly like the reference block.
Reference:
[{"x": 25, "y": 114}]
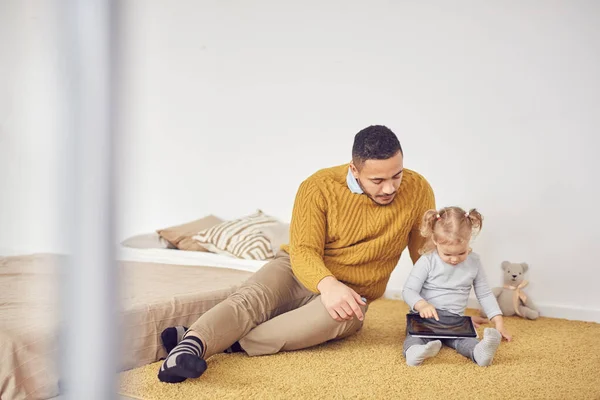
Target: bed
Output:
[{"x": 160, "y": 288}]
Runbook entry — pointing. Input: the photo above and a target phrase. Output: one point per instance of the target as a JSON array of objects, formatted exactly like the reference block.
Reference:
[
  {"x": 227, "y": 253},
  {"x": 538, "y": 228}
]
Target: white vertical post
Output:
[{"x": 88, "y": 345}]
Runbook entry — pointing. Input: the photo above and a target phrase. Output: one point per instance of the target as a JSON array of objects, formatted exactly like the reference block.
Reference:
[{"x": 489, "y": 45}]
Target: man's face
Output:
[{"x": 380, "y": 179}]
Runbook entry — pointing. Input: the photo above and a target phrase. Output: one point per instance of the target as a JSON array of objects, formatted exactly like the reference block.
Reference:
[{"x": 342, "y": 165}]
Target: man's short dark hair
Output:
[{"x": 376, "y": 142}]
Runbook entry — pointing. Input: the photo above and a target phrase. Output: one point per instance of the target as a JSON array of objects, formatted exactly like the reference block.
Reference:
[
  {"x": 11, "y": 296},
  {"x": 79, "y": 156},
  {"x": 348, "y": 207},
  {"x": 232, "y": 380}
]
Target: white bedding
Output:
[{"x": 183, "y": 257}]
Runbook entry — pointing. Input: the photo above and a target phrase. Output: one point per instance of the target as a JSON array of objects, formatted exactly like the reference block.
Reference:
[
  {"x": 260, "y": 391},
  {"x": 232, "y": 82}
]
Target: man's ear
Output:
[
  {"x": 353, "y": 169},
  {"x": 505, "y": 264},
  {"x": 525, "y": 267}
]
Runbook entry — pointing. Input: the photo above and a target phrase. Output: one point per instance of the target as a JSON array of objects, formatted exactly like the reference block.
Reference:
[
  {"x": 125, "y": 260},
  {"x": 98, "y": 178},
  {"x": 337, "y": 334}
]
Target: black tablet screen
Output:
[{"x": 447, "y": 326}]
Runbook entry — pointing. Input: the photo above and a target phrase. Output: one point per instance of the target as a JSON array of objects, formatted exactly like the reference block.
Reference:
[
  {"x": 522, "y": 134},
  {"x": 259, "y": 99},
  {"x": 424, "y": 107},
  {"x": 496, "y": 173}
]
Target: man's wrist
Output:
[{"x": 325, "y": 283}]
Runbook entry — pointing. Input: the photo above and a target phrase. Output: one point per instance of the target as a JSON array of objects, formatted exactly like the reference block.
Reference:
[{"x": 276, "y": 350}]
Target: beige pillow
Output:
[
  {"x": 241, "y": 238},
  {"x": 147, "y": 241},
  {"x": 180, "y": 236},
  {"x": 278, "y": 235}
]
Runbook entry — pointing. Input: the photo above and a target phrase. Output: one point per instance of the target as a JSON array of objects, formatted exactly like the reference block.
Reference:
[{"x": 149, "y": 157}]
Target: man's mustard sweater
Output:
[{"x": 336, "y": 232}]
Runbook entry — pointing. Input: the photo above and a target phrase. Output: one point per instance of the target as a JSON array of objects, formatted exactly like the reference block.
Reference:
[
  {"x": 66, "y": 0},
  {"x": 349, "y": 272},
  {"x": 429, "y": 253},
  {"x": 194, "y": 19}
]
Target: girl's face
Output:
[{"x": 453, "y": 254}]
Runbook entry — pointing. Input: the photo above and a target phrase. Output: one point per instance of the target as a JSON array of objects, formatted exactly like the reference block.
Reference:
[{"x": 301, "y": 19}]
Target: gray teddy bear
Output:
[{"x": 511, "y": 298}]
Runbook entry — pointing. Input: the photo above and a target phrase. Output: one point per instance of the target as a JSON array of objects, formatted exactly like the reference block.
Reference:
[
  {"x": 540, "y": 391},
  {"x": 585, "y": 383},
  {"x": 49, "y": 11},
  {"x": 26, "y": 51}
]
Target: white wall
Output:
[
  {"x": 32, "y": 167},
  {"x": 228, "y": 106}
]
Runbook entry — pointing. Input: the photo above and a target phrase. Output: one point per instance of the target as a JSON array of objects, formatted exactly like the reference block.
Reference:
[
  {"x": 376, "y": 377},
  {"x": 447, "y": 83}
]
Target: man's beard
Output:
[{"x": 373, "y": 198}]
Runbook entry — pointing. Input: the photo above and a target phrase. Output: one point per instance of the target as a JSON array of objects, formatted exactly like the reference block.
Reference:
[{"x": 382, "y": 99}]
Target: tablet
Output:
[{"x": 446, "y": 328}]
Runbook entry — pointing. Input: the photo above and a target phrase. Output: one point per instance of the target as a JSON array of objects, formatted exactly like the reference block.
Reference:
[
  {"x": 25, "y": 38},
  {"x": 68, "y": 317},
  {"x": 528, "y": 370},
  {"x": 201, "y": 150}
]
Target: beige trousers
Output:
[{"x": 271, "y": 312}]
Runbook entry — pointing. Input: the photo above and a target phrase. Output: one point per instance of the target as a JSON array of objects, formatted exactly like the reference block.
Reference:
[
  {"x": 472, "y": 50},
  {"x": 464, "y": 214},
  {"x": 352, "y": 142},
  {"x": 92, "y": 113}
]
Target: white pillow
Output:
[{"x": 147, "y": 241}]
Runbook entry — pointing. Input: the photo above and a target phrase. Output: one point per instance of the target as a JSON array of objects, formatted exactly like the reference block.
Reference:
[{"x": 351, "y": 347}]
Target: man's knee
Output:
[
  {"x": 278, "y": 280},
  {"x": 344, "y": 328},
  {"x": 253, "y": 298},
  {"x": 351, "y": 330},
  {"x": 350, "y": 327},
  {"x": 304, "y": 327}
]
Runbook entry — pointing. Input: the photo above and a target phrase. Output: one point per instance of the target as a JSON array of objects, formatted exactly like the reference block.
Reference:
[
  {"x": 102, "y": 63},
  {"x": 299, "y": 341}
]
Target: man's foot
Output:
[
  {"x": 171, "y": 337},
  {"x": 486, "y": 349},
  {"x": 415, "y": 355},
  {"x": 183, "y": 362},
  {"x": 234, "y": 348}
]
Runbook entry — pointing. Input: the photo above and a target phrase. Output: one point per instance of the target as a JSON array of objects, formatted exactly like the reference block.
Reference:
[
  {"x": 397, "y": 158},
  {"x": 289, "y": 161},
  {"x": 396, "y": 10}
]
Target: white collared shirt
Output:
[{"x": 353, "y": 183}]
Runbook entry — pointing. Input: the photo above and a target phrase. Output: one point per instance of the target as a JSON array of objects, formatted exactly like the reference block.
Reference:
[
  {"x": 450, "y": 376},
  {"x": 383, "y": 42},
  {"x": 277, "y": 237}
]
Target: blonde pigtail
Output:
[
  {"x": 476, "y": 220},
  {"x": 427, "y": 225}
]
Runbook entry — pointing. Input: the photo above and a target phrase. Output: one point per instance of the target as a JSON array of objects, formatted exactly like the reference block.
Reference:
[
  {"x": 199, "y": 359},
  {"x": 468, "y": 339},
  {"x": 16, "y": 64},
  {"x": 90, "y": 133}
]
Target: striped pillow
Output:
[{"x": 242, "y": 238}]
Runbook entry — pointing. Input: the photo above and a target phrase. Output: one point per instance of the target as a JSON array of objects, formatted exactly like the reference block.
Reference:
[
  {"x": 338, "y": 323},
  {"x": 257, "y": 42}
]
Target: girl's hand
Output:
[
  {"x": 426, "y": 310},
  {"x": 499, "y": 322},
  {"x": 478, "y": 321},
  {"x": 504, "y": 333}
]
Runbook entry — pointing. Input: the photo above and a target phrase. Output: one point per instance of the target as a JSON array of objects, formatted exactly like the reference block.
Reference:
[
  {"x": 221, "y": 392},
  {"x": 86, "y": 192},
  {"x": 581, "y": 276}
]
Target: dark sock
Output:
[
  {"x": 234, "y": 348},
  {"x": 171, "y": 337},
  {"x": 183, "y": 362}
]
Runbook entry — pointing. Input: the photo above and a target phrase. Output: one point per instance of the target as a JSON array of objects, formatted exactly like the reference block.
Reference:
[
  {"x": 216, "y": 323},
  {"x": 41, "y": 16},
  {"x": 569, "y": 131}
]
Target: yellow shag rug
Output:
[{"x": 547, "y": 359}]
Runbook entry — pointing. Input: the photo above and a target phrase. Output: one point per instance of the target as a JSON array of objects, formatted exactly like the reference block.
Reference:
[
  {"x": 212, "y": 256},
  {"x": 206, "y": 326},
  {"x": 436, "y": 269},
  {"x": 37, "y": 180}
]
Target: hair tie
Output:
[
  {"x": 438, "y": 216},
  {"x": 467, "y": 214}
]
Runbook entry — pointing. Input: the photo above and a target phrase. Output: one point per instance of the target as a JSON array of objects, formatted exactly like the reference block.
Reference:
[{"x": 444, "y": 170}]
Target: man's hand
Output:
[
  {"x": 340, "y": 301},
  {"x": 426, "y": 310}
]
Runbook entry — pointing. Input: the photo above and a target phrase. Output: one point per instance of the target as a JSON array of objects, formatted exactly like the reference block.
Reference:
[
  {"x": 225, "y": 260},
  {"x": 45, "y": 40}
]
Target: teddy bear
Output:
[{"x": 511, "y": 298}]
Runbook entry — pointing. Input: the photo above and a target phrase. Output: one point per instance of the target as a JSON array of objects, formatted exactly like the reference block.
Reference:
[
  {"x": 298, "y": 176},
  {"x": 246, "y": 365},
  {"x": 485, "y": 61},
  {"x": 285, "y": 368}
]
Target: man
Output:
[{"x": 349, "y": 226}]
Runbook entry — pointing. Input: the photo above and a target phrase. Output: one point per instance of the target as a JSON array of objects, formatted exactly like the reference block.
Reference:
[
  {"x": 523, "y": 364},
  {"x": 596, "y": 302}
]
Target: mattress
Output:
[
  {"x": 158, "y": 289},
  {"x": 184, "y": 257}
]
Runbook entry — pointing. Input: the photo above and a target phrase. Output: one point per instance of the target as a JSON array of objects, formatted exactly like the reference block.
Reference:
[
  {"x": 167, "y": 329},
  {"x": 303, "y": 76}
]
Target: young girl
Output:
[{"x": 441, "y": 280}]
